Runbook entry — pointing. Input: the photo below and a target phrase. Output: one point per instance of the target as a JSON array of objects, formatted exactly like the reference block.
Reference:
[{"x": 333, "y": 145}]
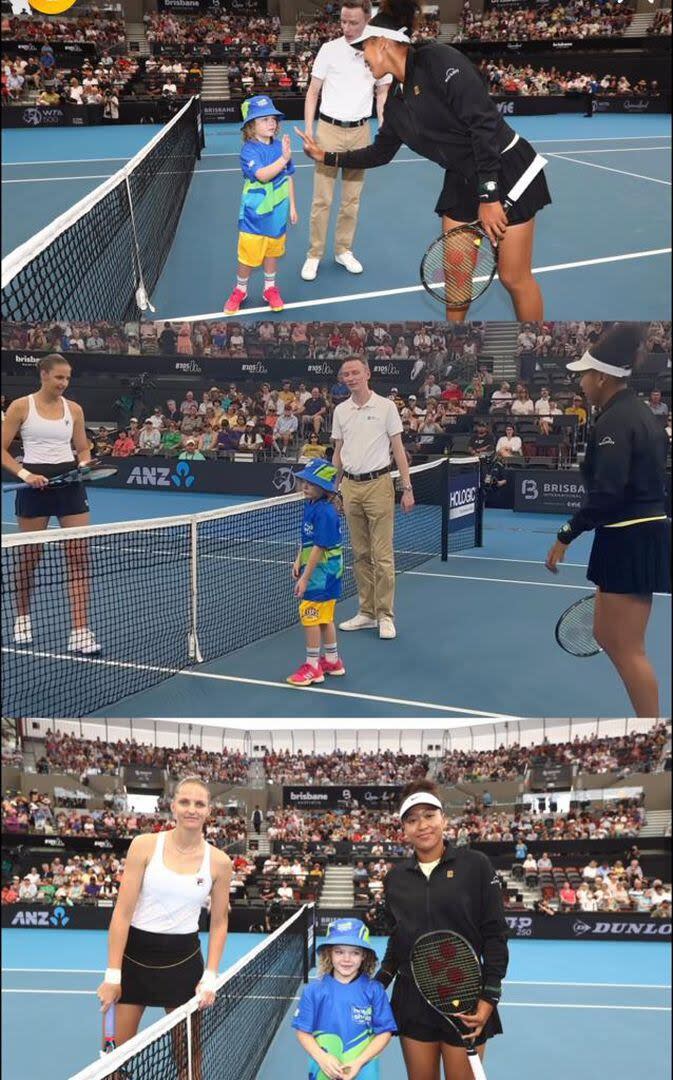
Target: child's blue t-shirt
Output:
[
  {"x": 321, "y": 527},
  {"x": 344, "y": 1018},
  {"x": 265, "y": 208}
]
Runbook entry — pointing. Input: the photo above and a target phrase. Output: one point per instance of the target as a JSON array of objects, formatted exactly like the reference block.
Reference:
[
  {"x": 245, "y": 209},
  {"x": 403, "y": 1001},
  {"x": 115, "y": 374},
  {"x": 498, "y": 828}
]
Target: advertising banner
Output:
[
  {"x": 463, "y": 495},
  {"x": 551, "y": 776},
  {"x": 370, "y": 797},
  {"x": 138, "y": 778},
  {"x": 610, "y": 926},
  {"x": 548, "y": 491}
]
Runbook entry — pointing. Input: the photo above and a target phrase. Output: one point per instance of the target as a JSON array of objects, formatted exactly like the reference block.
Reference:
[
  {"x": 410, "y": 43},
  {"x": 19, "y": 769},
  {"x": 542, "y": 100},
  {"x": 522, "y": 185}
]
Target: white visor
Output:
[
  {"x": 587, "y": 362},
  {"x": 420, "y": 798},
  {"x": 381, "y": 31}
]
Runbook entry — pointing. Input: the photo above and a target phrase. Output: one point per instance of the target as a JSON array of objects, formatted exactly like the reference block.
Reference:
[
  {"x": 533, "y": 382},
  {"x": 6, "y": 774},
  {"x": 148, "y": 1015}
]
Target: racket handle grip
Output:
[
  {"x": 109, "y": 1033},
  {"x": 475, "y": 1064}
]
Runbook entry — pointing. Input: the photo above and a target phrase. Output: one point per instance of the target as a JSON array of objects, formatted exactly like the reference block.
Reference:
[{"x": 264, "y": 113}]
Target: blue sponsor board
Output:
[{"x": 463, "y": 495}]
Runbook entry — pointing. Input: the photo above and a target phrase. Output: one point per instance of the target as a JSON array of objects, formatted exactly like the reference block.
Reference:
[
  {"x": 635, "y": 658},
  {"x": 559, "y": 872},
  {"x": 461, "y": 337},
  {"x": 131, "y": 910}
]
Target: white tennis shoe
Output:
[
  {"x": 387, "y": 629},
  {"x": 309, "y": 270},
  {"x": 23, "y": 630},
  {"x": 83, "y": 641},
  {"x": 359, "y": 622},
  {"x": 349, "y": 262}
]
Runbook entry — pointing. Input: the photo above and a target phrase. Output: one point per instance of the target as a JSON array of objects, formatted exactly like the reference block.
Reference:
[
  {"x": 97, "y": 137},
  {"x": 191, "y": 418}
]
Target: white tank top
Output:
[
  {"x": 170, "y": 903},
  {"x": 46, "y": 442}
]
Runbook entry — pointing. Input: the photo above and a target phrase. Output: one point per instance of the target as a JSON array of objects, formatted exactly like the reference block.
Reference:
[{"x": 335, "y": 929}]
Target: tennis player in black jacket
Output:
[
  {"x": 439, "y": 106},
  {"x": 440, "y": 888},
  {"x": 624, "y": 474}
]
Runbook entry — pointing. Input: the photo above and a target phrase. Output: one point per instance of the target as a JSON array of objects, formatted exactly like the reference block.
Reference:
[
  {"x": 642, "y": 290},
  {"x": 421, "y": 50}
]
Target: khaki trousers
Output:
[
  {"x": 370, "y": 511},
  {"x": 337, "y": 140}
]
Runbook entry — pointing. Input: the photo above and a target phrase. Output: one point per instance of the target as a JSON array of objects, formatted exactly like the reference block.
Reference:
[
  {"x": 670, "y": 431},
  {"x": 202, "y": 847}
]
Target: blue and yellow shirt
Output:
[
  {"x": 321, "y": 527},
  {"x": 344, "y": 1018},
  {"x": 265, "y": 208}
]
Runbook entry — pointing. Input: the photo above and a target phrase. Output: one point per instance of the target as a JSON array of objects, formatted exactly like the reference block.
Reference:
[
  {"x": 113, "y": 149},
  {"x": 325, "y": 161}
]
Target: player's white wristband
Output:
[
  {"x": 113, "y": 975},
  {"x": 208, "y": 982},
  {"x": 23, "y": 474}
]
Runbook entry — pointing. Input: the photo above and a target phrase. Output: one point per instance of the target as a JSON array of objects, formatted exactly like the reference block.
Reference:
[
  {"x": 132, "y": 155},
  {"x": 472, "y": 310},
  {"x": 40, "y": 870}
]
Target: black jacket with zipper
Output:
[{"x": 462, "y": 894}]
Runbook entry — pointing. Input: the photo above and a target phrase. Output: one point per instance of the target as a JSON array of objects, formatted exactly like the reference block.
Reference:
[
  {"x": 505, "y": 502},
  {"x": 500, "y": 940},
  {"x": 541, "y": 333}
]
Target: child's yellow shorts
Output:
[
  {"x": 317, "y": 612},
  {"x": 253, "y": 249}
]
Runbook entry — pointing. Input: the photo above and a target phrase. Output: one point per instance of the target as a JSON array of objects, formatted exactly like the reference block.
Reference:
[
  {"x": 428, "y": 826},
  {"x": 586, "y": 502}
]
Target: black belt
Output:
[
  {"x": 343, "y": 123},
  {"x": 361, "y": 477}
]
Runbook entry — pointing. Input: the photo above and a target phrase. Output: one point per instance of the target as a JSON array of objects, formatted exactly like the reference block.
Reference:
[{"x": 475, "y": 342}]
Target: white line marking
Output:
[
  {"x": 347, "y": 299},
  {"x": 169, "y": 672},
  {"x": 508, "y": 581},
  {"x": 608, "y": 168},
  {"x": 558, "y": 1005},
  {"x": 603, "y": 138},
  {"x": 498, "y": 558},
  {"x": 610, "y": 150}
]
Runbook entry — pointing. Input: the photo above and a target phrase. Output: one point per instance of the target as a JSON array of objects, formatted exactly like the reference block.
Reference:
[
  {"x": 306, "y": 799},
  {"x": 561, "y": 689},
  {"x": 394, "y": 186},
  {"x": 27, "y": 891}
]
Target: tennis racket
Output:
[
  {"x": 575, "y": 628},
  {"x": 90, "y": 472},
  {"x": 459, "y": 265},
  {"x": 109, "y": 1032},
  {"x": 447, "y": 973}
]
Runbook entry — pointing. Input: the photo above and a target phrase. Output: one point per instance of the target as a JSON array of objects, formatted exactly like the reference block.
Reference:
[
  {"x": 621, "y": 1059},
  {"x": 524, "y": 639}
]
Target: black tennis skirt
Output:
[
  {"x": 58, "y": 502},
  {"x": 160, "y": 969},
  {"x": 635, "y": 559},
  {"x": 415, "y": 1019},
  {"x": 459, "y": 197}
]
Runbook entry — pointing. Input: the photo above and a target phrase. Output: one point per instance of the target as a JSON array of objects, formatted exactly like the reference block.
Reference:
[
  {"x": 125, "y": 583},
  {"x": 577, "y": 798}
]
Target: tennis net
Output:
[
  {"x": 230, "y": 1040},
  {"x": 103, "y": 256},
  {"x": 162, "y": 595}
]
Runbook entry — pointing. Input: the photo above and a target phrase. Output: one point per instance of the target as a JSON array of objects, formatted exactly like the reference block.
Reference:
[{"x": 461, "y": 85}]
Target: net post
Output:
[
  {"x": 190, "y": 1051},
  {"x": 306, "y": 963},
  {"x": 445, "y": 504},
  {"x": 479, "y": 515},
  {"x": 195, "y": 655}
]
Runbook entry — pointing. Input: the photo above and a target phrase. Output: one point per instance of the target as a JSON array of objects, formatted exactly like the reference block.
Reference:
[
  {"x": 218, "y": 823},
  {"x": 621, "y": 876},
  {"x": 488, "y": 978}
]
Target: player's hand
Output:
[
  {"x": 476, "y": 1021},
  {"x": 311, "y": 148},
  {"x": 493, "y": 219},
  {"x": 294, "y": 216},
  {"x": 332, "y": 1067},
  {"x": 206, "y": 997},
  {"x": 352, "y": 1070},
  {"x": 108, "y": 994},
  {"x": 286, "y": 147},
  {"x": 36, "y": 480},
  {"x": 555, "y": 555},
  {"x": 407, "y": 502},
  {"x": 300, "y": 587},
  {"x": 296, "y": 569}
]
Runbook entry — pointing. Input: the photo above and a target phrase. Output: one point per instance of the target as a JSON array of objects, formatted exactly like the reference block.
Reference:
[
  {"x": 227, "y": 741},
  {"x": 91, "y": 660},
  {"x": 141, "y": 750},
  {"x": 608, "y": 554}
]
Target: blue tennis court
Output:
[
  {"x": 569, "y": 1009},
  {"x": 475, "y": 638},
  {"x": 602, "y": 249}
]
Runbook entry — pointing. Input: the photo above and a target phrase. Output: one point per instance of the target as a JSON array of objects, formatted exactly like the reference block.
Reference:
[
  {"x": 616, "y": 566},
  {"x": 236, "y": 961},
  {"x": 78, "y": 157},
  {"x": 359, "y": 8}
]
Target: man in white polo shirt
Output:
[
  {"x": 347, "y": 87},
  {"x": 366, "y": 429}
]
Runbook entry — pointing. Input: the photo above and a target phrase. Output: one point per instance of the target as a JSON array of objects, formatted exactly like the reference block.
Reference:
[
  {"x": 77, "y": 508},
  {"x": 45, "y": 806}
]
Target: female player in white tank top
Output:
[
  {"x": 154, "y": 956},
  {"x": 52, "y": 432}
]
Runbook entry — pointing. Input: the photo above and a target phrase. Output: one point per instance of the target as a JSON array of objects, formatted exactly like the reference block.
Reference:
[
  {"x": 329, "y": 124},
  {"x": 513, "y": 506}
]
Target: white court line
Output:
[
  {"x": 507, "y": 581},
  {"x": 608, "y": 168},
  {"x": 236, "y": 153},
  {"x": 609, "y": 150},
  {"x": 499, "y": 558},
  {"x": 502, "y": 1004},
  {"x": 347, "y": 299},
  {"x": 246, "y": 681},
  {"x": 508, "y": 982}
]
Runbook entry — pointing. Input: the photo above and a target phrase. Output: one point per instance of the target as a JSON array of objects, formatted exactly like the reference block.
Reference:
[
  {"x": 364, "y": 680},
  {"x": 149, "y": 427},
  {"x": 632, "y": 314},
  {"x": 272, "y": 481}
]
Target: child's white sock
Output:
[
  {"x": 242, "y": 284},
  {"x": 313, "y": 656}
]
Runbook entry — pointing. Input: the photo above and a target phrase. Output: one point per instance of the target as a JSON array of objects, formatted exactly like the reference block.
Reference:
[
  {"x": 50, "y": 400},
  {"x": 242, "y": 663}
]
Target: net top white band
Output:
[{"x": 420, "y": 798}]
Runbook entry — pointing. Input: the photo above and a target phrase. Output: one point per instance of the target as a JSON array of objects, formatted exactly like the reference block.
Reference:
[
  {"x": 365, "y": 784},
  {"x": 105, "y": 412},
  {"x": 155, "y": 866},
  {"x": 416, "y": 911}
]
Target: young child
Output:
[
  {"x": 344, "y": 1019},
  {"x": 318, "y": 570},
  {"x": 266, "y": 203}
]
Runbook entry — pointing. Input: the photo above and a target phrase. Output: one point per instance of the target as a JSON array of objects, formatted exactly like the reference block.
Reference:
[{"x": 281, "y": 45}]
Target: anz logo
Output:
[
  {"x": 56, "y": 919},
  {"x": 161, "y": 476}
]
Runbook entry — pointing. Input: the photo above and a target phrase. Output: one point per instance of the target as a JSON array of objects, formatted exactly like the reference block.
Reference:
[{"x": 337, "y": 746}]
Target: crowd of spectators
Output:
[
  {"x": 275, "y": 75},
  {"x": 101, "y": 28},
  {"x": 243, "y": 36},
  {"x": 73, "y": 337},
  {"x": 576, "y": 19},
  {"x": 344, "y": 767},
  {"x": 661, "y": 23},
  {"x": 86, "y": 757},
  {"x": 637, "y": 752},
  {"x": 599, "y": 886},
  {"x": 525, "y": 79}
]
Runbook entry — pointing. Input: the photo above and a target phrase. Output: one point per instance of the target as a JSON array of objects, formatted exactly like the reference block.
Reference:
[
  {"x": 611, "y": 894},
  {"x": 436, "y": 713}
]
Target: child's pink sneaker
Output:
[
  {"x": 332, "y": 667},
  {"x": 235, "y": 302},
  {"x": 273, "y": 298},
  {"x": 305, "y": 675}
]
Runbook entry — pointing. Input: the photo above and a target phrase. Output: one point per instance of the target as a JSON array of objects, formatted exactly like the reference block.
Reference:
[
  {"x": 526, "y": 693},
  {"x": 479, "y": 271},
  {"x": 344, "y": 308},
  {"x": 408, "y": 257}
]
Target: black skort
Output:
[
  {"x": 415, "y": 1019},
  {"x": 58, "y": 502},
  {"x": 459, "y": 197},
  {"x": 634, "y": 559},
  {"x": 160, "y": 969}
]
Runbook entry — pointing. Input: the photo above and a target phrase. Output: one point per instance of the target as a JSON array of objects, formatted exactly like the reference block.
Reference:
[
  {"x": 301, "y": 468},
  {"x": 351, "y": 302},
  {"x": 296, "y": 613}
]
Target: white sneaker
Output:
[
  {"x": 23, "y": 630},
  {"x": 83, "y": 641},
  {"x": 309, "y": 270},
  {"x": 387, "y": 628},
  {"x": 359, "y": 622},
  {"x": 348, "y": 260}
]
